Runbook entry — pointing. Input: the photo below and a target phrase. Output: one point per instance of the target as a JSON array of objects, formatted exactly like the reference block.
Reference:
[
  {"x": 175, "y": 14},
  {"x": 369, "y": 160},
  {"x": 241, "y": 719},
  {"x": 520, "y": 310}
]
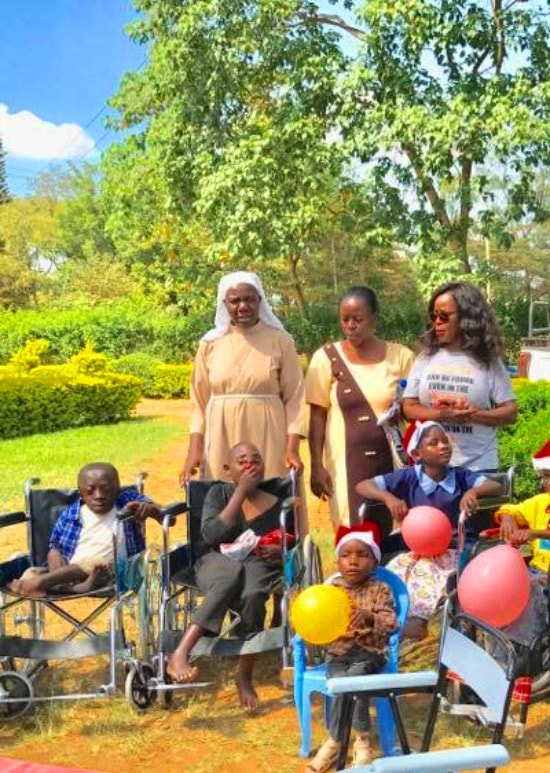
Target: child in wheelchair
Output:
[
  {"x": 238, "y": 566},
  {"x": 529, "y": 521},
  {"x": 363, "y": 648},
  {"x": 80, "y": 558},
  {"x": 434, "y": 483}
]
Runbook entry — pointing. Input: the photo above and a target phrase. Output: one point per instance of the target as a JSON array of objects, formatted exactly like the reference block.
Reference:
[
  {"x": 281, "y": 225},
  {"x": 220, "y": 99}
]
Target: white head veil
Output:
[{"x": 222, "y": 320}]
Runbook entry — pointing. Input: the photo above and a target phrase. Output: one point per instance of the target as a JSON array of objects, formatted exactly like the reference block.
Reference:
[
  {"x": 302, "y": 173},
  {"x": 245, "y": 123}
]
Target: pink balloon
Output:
[
  {"x": 494, "y": 586},
  {"x": 426, "y": 530}
]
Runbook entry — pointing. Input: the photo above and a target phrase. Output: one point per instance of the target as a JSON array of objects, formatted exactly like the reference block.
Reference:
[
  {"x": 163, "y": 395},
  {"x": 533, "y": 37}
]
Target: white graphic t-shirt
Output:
[{"x": 456, "y": 376}]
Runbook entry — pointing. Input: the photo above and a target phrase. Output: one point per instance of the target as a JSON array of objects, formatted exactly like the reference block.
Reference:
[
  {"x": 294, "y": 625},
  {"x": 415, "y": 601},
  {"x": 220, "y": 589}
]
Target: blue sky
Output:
[{"x": 60, "y": 60}]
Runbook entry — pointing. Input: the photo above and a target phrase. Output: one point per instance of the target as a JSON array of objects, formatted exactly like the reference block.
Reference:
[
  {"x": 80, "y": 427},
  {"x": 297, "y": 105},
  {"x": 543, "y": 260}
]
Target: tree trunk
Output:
[{"x": 292, "y": 261}]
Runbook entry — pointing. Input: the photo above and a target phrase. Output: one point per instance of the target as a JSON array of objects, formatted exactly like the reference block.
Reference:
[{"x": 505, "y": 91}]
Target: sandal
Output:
[
  {"x": 362, "y": 753},
  {"x": 325, "y": 758}
]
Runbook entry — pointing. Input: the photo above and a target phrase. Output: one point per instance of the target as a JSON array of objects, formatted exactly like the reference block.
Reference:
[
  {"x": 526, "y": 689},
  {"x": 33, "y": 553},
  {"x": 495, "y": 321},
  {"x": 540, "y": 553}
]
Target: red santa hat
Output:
[
  {"x": 414, "y": 432},
  {"x": 367, "y": 532},
  {"x": 541, "y": 460}
]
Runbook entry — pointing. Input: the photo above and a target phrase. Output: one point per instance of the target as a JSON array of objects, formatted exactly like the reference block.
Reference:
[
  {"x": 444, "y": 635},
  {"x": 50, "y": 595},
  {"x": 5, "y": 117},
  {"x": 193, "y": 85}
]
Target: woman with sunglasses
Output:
[{"x": 459, "y": 379}]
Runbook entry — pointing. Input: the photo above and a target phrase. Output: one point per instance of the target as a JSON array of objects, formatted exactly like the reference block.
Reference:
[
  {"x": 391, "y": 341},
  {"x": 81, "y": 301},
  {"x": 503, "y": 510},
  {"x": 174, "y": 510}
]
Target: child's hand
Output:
[
  {"x": 271, "y": 554},
  {"x": 360, "y": 618},
  {"x": 397, "y": 507},
  {"x": 521, "y": 537},
  {"x": 249, "y": 480},
  {"x": 469, "y": 502},
  {"x": 508, "y": 528},
  {"x": 143, "y": 510}
]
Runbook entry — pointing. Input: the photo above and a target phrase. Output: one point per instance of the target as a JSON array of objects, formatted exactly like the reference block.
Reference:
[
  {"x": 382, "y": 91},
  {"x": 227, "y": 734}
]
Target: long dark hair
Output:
[
  {"x": 478, "y": 326},
  {"x": 365, "y": 294}
]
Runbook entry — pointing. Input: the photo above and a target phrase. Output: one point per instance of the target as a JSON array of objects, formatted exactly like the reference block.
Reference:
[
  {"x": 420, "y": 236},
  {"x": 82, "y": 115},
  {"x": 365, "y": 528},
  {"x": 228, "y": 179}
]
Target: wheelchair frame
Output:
[
  {"x": 16, "y": 688},
  {"x": 301, "y": 564}
]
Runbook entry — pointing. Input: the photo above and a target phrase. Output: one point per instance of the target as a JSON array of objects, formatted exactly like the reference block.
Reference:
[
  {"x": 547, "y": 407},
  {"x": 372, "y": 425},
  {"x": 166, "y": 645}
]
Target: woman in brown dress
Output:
[{"x": 349, "y": 386}]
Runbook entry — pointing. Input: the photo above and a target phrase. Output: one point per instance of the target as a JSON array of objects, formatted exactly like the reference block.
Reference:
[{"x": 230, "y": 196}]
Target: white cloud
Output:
[{"x": 27, "y": 136}]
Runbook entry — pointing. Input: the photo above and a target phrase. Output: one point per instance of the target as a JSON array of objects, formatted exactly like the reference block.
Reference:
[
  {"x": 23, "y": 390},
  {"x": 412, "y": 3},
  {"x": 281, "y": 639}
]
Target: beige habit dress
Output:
[{"x": 247, "y": 385}]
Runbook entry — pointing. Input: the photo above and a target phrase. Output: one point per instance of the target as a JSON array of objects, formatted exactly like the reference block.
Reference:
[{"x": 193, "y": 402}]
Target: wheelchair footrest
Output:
[
  {"x": 208, "y": 646},
  {"x": 46, "y": 649}
]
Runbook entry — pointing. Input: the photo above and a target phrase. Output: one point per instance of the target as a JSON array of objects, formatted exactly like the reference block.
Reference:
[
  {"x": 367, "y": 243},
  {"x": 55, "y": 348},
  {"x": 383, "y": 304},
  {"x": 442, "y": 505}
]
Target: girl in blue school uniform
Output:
[{"x": 432, "y": 482}]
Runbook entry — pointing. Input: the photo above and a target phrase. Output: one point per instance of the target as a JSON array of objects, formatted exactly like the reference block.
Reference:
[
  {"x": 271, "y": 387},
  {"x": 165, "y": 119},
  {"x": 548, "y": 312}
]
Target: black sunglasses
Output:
[{"x": 442, "y": 316}]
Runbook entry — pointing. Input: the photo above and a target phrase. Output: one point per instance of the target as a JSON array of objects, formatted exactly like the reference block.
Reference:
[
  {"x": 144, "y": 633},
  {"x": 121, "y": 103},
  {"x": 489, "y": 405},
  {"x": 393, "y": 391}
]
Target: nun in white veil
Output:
[{"x": 247, "y": 385}]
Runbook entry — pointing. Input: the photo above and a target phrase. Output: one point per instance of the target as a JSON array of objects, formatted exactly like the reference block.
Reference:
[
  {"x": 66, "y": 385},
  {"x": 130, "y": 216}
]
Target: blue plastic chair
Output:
[{"x": 313, "y": 679}]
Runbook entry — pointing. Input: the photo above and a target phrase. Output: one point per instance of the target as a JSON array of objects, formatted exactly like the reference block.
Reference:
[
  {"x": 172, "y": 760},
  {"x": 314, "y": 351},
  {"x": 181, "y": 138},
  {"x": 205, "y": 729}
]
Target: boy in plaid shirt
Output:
[{"x": 81, "y": 544}]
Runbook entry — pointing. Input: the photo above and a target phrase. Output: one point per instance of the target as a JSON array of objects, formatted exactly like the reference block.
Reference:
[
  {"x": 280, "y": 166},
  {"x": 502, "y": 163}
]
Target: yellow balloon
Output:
[{"x": 321, "y": 613}]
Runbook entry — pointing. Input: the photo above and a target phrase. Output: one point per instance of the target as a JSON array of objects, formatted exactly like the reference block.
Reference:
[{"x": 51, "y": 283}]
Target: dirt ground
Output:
[{"x": 206, "y": 730}]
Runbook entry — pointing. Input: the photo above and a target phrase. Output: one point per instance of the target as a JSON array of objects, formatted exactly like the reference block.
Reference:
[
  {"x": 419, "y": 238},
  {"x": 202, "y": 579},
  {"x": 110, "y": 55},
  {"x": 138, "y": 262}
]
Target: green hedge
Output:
[
  {"x": 159, "y": 380},
  {"x": 55, "y": 398},
  {"x": 518, "y": 442},
  {"x": 114, "y": 329},
  {"x": 119, "y": 329}
]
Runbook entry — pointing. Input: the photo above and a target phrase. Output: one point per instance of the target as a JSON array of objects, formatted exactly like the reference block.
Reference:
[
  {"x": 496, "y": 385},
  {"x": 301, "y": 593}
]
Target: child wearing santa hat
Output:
[
  {"x": 432, "y": 482},
  {"x": 363, "y": 648}
]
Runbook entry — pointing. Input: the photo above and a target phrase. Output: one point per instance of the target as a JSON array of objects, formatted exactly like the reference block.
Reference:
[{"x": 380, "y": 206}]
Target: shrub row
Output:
[
  {"x": 518, "y": 442},
  {"x": 118, "y": 329},
  {"x": 54, "y": 398},
  {"x": 159, "y": 379},
  {"x": 121, "y": 329},
  {"x": 114, "y": 329}
]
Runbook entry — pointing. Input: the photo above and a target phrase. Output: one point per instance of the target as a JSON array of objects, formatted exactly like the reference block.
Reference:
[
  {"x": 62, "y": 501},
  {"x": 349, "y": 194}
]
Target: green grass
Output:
[{"x": 56, "y": 458}]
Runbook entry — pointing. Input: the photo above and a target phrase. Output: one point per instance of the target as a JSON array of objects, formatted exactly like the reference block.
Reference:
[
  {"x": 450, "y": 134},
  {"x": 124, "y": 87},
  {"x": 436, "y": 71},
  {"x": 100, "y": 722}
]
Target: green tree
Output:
[
  {"x": 251, "y": 108},
  {"x": 235, "y": 108},
  {"x": 4, "y": 191}
]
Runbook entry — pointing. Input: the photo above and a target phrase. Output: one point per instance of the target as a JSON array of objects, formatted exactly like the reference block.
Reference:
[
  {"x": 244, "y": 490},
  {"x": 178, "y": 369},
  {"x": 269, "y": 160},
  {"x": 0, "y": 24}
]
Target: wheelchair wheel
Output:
[
  {"x": 313, "y": 574},
  {"x": 14, "y": 686},
  {"x": 149, "y": 611},
  {"x": 7, "y": 663},
  {"x": 541, "y": 680},
  {"x": 138, "y": 695}
]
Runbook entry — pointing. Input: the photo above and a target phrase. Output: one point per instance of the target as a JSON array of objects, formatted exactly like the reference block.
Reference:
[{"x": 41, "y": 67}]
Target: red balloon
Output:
[
  {"x": 494, "y": 586},
  {"x": 426, "y": 530}
]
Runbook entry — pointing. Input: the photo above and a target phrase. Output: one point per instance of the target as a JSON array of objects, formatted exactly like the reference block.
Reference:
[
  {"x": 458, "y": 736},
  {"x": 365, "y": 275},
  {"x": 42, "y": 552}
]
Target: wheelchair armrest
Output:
[
  {"x": 11, "y": 519},
  {"x": 169, "y": 513},
  {"x": 174, "y": 509},
  {"x": 413, "y": 681}
]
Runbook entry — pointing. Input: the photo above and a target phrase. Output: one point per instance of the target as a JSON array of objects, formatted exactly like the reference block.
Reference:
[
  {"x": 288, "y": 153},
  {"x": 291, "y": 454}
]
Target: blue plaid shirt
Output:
[{"x": 66, "y": 532}]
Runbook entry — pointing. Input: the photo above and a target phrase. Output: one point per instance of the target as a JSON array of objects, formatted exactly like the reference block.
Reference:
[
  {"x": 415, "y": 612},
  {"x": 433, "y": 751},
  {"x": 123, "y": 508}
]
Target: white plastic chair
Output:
[{"x": 491, "y": 680}]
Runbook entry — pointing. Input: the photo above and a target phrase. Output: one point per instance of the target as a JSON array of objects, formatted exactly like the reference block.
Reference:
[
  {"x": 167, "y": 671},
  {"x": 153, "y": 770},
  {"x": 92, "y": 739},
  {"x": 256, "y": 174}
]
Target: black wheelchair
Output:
[
  {"x": 179, "y": 594},
  {"x": 26, "y": 644}
]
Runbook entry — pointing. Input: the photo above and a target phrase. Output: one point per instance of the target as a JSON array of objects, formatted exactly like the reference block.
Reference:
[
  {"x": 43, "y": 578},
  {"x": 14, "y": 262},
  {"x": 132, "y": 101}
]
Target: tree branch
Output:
[
  {"x": 481, "y": 58},
  {"x": 500, "y": 52},
  {"x": 465, "y": 197},
  {"x": 337, "y": 21},
  {"x": 434, "y": 198}
]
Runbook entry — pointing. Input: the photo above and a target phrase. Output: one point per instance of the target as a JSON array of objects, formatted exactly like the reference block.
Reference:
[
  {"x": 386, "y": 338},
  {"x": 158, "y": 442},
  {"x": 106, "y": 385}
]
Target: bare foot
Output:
[
  {"x": 247, "y": 694},
  {"x": 99, "y": 577},
  {"x": 30, "y": 588},
  {"x": 180, "y": 670}
]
